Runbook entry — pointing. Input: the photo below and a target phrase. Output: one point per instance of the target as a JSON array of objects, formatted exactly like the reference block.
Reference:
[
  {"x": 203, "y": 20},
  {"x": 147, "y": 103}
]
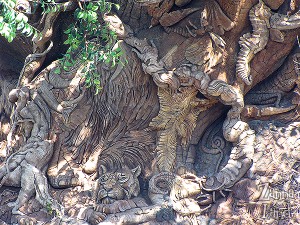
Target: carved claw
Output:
[
  {"x": 96, "y": 217},
  {"x": 99, "y": 207},
  {"x": 205, "y": 199},
  {"x": 193, "y": 25},
  {"x": 26, "y": 220},
  {"x": 190, "y": 32}
]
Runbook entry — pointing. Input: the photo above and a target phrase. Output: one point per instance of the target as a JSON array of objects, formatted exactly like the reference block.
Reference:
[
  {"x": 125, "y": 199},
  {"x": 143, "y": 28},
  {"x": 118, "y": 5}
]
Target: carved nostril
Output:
[{"x": 108, "y": 188}]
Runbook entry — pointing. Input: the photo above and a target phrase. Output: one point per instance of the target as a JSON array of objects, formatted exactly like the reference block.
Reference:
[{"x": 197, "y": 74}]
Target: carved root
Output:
[
  {"x": 34, "y": 61},
  {"x": 135, "y": 216}
]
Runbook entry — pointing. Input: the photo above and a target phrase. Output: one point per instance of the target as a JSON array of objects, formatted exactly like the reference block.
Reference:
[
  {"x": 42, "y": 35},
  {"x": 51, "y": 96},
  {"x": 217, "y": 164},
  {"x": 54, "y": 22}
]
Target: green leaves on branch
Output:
[
  {"x": 91, "y": 36},
  {"x": 13, "y": 22},
  {"x": 50, "y": 6}
]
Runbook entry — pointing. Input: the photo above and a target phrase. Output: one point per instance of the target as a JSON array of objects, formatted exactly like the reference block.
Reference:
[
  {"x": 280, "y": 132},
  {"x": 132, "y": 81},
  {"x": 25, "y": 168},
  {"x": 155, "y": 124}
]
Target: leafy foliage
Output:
[
  {"x": 12, "y": 22},
  {"x": 93, "y": 39},
  {"x": 89, "y": 37},
  {"x": 176, "y": 121}
]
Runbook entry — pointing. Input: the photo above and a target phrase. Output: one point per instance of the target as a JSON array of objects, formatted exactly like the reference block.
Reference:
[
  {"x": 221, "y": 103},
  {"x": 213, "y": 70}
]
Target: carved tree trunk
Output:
[{"x": 198, "y": 121}]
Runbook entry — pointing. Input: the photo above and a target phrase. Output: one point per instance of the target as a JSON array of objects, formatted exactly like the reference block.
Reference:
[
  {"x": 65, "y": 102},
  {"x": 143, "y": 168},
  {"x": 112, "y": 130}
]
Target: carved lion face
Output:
[{"x": 118, "y": 185}]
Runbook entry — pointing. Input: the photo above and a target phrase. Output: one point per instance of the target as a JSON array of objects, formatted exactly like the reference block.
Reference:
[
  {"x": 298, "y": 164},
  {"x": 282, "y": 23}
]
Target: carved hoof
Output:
[
  {"x": 248, "y": 80},
  {"x": 91, "y": 165},
  {"x": 17, "y": 212}
]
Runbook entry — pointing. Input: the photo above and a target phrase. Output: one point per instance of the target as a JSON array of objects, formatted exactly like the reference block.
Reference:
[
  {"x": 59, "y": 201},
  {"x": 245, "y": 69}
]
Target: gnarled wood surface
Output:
[{"x": 200, "y": 116}]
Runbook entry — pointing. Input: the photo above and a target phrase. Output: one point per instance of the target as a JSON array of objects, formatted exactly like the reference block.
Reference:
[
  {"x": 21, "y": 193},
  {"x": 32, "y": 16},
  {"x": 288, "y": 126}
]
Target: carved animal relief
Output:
[
  {"x": 252, "y": 43},
  {"x": 196, "y": 120}
]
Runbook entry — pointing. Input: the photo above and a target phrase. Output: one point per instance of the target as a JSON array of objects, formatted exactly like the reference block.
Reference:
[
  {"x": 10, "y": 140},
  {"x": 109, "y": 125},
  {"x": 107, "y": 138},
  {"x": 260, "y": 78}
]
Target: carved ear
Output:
[
  {"x": 261, "y": 3},
  {"x": 136, "y": 171},
  {"x": 103, "y": 169},
  {"x": 258, "y": 10},
  {"x": 204, "y": 14}
]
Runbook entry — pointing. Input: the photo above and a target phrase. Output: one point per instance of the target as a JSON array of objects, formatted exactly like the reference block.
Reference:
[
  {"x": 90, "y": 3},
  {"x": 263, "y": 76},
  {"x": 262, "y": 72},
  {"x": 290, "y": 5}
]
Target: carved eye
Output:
[
  {"x": 122, "y": 177},
  {"x": 103, "y": 179}
]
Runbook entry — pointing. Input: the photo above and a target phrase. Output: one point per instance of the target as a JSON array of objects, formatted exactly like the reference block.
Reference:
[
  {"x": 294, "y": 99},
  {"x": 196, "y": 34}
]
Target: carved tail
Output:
[{"x": 238, "y": 164}]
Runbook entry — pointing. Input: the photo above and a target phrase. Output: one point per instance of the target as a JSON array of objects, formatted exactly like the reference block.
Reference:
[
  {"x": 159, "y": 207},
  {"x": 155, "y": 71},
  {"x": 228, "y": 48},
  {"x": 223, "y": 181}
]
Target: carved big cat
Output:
[{"x": 199, "y": 117}]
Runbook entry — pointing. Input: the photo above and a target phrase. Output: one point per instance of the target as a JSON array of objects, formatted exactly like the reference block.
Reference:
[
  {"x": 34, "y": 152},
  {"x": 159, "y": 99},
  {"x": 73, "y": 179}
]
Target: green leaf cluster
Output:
[
  {"x": 50, "y": 6},
  {"x": 91, "y": 36},
  {"x": 13, "y": 22}
]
